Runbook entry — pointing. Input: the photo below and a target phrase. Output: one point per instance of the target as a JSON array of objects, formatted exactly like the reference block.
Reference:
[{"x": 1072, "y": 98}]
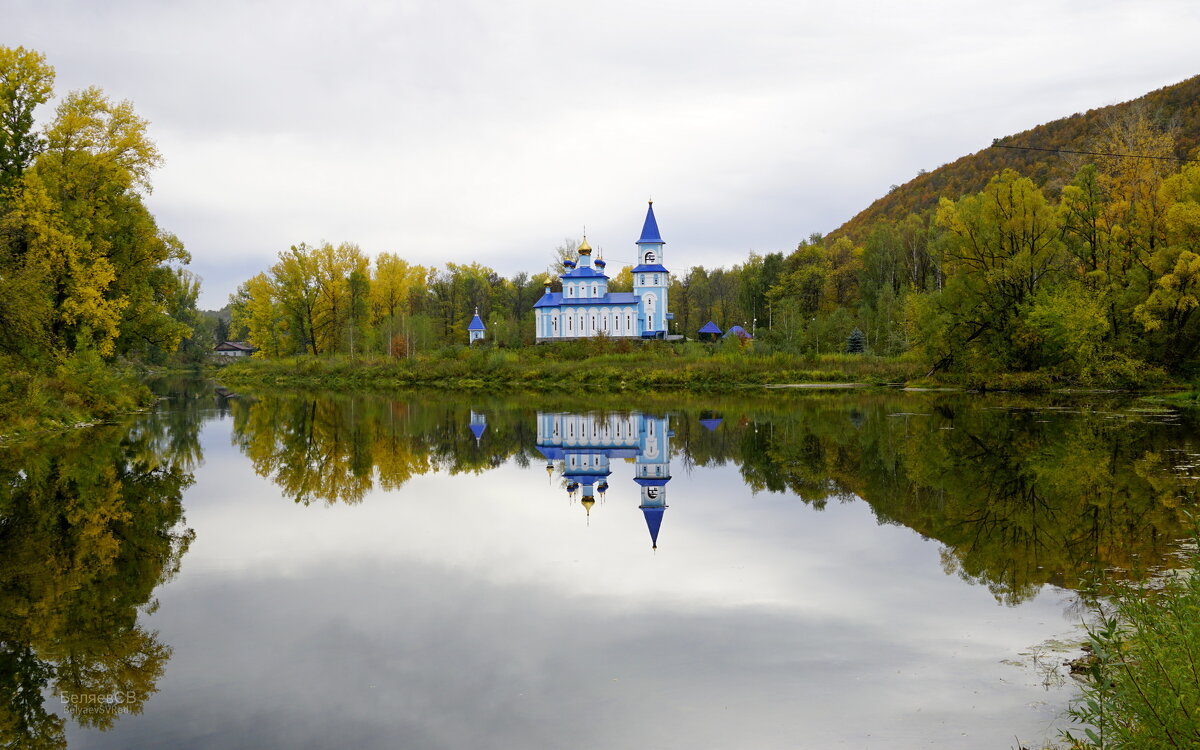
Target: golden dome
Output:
[
  {"x": 587, "y": 504},
  {"x": 584, "y": 247}
]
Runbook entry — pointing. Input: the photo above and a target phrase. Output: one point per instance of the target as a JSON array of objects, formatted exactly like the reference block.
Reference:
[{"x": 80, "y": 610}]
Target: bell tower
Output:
[{"x": 651, "y": 278}]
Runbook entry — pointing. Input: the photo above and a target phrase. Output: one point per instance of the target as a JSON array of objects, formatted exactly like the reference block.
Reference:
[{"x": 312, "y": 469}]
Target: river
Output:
[{"x": 791, "y": 570}]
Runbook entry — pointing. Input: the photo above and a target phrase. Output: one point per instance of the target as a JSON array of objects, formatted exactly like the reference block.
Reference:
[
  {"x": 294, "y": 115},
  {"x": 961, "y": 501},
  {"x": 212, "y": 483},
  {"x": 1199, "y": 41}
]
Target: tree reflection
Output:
[
  {"x": 89, "y": 526},
  {"x": 1020, "y": 492},
  {"x": 331, "y": 449}
]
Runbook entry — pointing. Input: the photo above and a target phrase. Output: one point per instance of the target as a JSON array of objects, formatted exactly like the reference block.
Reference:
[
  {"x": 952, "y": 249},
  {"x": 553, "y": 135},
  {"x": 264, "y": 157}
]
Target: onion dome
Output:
[
  {"x": 600, "y": 263},
  {"x": 584, "y": 247},
  {"x": 568, "y": 263},
  {"x": 587, "y": 504}
]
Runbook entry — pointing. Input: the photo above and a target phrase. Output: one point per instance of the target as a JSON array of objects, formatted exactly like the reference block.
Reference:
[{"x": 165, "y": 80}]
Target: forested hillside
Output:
[{"x": 1033, "y": 153}]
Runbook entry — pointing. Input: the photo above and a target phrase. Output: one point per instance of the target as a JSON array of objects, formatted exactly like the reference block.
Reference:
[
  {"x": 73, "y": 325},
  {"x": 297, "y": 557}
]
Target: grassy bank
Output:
[
  {"x": 628, "y": 366},
  {"x": 595, "y": 364}
]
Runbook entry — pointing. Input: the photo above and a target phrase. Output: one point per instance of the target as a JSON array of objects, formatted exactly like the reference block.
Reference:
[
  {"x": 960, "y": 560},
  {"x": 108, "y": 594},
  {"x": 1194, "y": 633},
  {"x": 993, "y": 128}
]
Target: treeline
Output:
[
  {"x": 86, "y": 274},
  {"x": 326, "y": 299},
  {"x": 333, "y": 299}
]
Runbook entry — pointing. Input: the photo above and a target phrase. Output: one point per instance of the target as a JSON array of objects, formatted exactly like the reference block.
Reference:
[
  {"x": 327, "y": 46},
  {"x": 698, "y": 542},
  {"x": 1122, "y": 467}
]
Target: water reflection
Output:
[
  {"x": 776, "y": 533},
  {"x": 582, "y": 446},
  {"x": 1020, "y": 493},
  {"x": 90, "y": 525}
]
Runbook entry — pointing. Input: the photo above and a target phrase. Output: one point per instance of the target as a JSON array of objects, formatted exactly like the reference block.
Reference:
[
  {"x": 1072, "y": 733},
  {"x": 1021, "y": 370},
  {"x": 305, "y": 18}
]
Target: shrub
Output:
[{"x": 1144, "y": 687}]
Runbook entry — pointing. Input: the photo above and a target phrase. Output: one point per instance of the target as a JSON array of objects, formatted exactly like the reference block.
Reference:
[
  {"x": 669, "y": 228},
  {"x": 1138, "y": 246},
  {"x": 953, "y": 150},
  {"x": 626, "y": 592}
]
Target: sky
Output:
[{"x": 490, "y": 131}]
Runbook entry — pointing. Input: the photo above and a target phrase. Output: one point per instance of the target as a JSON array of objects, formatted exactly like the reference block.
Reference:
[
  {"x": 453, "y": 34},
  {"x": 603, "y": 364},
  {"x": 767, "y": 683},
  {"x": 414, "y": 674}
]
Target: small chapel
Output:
[{"x": 586, "y": 308}]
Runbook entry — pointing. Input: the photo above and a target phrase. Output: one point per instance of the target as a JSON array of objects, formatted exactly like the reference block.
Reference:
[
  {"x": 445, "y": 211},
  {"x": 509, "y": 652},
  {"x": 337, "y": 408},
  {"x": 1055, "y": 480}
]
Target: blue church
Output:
[
  {"x": 584, "y": 445},
  {"x": 586, "y": 308}
]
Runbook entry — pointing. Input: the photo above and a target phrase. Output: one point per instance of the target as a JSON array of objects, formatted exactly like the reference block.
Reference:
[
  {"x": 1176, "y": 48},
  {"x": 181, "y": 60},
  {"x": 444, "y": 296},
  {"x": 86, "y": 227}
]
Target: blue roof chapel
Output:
[{"x": 586, "y": 308}]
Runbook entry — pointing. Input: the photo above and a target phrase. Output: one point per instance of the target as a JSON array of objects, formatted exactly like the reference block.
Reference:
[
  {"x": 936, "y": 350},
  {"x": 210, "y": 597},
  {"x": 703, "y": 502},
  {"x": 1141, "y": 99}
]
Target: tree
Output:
[
  {"x": 295, "y": 288},
  {"x": 856, "y": 343},
  {"x": 392, "y": 289},
  {"x": 26, "y": 82},
  {"x": 1001, "y": 247},
  {"x": 565, "y": 250}
]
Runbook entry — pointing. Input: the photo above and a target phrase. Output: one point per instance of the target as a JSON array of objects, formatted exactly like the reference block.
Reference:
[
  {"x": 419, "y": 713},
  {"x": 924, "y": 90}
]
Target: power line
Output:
[{"x": 1092, "y": 153}]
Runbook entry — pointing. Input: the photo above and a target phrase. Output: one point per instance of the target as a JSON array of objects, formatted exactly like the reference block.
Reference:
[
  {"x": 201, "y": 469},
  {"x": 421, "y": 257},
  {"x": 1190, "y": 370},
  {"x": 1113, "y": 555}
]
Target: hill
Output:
[{"x": 1034, "y": 154}]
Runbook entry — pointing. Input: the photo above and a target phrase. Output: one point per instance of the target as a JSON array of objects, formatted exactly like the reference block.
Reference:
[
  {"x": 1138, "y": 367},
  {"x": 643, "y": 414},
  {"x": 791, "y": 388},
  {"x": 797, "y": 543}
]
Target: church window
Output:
[
  {"x": 629, "y": 321},
  {"x": 568, "y": 323},
  {"x": 655, "y": 279},
  {"x": 595, "y": 290},
  {"x": 570, "y": 291},
  {"x": 593, "y": 322},
  {"x": 649, "y": 257}
]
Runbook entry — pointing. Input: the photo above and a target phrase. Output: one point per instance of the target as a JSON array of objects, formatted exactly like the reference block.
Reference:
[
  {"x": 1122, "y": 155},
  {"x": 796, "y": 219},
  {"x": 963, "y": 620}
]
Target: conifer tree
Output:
[{"x": 856, "y": 343}]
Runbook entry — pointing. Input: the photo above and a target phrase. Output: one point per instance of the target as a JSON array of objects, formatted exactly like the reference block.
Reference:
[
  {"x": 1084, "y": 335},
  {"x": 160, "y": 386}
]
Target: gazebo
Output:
[{"x": 709, "y": 332}]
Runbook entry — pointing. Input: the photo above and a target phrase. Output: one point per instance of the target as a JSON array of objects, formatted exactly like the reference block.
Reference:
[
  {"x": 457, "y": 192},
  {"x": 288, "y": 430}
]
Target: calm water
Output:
[{"x": 807, "y": 571}]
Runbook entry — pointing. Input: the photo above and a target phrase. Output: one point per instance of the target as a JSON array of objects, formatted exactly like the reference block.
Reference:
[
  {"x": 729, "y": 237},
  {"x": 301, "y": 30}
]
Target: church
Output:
[
  {"x": 586, "y": 308},
  {"x": 585, "y": 445}
]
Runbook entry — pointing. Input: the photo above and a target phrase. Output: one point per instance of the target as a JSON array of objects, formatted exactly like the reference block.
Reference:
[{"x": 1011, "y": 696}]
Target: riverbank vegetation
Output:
[
  {"x": 87, "y": 277},
  {"x": 1143, "y": 675},
  {"x": 605, "y": 364}
]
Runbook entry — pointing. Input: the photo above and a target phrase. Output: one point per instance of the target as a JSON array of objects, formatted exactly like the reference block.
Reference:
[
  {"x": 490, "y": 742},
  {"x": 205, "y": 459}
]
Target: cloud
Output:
[{"x": 483, "y": 131}]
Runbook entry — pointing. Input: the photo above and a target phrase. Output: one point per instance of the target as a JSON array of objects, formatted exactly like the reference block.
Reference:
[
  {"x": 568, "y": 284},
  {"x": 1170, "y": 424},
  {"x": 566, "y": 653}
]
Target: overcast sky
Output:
[{"x": 488, "y": 130}]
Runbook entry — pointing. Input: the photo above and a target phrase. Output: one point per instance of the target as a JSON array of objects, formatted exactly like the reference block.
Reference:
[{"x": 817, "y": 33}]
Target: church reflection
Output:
[{"x": 582, "y": 449}]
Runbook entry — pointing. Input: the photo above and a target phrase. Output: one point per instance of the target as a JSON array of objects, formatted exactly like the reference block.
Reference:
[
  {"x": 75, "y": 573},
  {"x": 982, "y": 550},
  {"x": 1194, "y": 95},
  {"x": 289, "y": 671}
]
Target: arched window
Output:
[
  {"x": 655, "y": 279},
  {"x": 568, "y": 324},
  {"x": 649, "y": 257}
]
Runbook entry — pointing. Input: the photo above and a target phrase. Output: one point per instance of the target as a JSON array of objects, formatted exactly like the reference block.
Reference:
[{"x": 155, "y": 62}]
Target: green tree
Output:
[
  {"x": 1001, "y": 247},
  {"x": 26, "y": 82}
]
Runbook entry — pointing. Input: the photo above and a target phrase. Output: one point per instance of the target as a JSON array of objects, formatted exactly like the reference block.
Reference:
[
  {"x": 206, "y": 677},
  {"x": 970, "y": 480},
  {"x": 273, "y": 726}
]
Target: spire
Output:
[
  {"x": 654, "y": 515},
  {"x": 650, "y": 235}
]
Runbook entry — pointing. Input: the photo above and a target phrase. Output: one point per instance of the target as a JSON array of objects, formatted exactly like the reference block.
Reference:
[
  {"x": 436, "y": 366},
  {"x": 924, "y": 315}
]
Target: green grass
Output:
[{"x": 609, "y": 365}]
